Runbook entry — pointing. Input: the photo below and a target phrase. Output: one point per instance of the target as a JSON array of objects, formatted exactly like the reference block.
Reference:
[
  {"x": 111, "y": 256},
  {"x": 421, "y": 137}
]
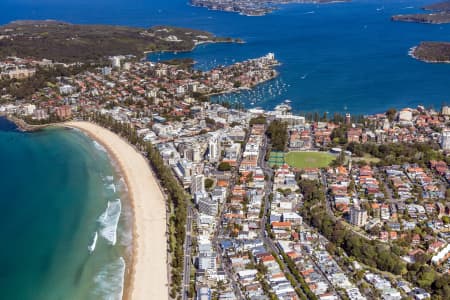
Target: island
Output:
[
  {"x": 254, "y": 7},
  {"x": 440, "y": 14},
  {"x": 432, "y": 52},
  {"x": 440, "y": 6},
  {"x": 73, "y": 43}
]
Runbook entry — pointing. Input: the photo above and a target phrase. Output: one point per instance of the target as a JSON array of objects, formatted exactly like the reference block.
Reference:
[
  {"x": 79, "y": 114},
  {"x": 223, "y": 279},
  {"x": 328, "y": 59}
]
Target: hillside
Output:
[{"x": 65, "y": 42}]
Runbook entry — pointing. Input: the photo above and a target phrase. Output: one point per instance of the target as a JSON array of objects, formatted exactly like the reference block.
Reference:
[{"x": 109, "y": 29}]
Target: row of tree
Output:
[{"x": 277, "y": 132}]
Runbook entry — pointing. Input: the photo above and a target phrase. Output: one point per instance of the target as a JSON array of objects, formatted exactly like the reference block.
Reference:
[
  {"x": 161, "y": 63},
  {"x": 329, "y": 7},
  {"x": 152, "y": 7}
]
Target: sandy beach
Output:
[{"x": 149, "y": 262}]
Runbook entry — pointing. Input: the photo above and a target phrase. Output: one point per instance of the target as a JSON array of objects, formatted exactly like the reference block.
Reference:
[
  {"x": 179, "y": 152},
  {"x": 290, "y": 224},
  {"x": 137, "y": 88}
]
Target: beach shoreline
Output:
[{"x": 147, "y": 274}]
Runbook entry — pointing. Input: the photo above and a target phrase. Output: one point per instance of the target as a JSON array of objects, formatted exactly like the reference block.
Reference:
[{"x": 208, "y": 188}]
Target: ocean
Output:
[
  {"x": 335, "y": 57},
  {"x": 60, "y": 190}
]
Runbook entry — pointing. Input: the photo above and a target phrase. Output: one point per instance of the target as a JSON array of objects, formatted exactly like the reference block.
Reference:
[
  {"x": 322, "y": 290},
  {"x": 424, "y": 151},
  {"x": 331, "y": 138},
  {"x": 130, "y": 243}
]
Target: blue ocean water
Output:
[
  {"x": 56, "y": 185},
  {"x": 335, "y": 57}
]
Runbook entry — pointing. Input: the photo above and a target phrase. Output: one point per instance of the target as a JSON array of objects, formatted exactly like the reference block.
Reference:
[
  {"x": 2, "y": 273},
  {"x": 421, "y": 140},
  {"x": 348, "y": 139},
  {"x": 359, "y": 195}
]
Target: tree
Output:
[
  {"x": 390, "y": 114},
  {"x": 224, "y": 166},
  {"x": 209, "y": 183},
  {"x": 277, "y": 132},
  {"x": 258, "y": 120}
]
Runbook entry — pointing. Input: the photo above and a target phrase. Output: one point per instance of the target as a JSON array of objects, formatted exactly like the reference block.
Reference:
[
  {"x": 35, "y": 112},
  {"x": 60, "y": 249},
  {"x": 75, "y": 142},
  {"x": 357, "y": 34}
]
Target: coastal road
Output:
[{"x": 187, "y": 254}]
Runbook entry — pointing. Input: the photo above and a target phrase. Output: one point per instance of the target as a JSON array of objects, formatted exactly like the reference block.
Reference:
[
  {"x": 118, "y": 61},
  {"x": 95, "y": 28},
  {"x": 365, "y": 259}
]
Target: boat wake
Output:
[
  {"x": 109, "y": 221},
  {"x": 110, "y": 280},
  {"x": 91, "y": 247}
]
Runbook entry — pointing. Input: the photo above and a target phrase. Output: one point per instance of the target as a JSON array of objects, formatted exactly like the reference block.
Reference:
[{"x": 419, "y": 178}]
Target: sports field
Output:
[
  {"x": 276, "y": 159},
  {"x": 303, "y": 160}
]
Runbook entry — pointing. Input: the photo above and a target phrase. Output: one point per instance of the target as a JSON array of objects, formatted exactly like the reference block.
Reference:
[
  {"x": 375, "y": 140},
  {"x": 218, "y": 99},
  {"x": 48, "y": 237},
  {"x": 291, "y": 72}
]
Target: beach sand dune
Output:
[{"x": 149, "y": 268}]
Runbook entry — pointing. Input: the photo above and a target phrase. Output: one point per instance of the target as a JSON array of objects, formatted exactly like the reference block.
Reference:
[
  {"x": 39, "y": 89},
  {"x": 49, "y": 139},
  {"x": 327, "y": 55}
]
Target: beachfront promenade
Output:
[{"x": 149, "y": 269}]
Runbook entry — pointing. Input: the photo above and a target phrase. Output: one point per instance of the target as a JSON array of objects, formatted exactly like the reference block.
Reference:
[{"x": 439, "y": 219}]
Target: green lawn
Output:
[{"x": 303, "y": 160}]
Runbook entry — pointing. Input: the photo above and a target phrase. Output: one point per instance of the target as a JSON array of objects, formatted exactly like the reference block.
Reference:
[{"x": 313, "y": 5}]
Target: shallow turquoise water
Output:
[{"x": 55, "y": 188}]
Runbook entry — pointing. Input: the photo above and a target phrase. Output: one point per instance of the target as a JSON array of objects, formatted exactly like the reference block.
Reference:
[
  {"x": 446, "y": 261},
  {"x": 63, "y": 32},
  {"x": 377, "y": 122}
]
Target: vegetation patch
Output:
[{"x": 70, "y": 43}]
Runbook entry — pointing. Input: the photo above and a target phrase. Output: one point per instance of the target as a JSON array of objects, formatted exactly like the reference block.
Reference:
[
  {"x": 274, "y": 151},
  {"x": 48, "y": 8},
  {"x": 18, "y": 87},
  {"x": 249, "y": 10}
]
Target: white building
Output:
[
  {"x": 115, "y": 62},
  {"x": 214, "y": 148},
  {"x": 358, "y": 216},
  {"x": 207, "y": 206},
  {"x": 198, "y": 184},
  {"x": 445, "y": 140}
]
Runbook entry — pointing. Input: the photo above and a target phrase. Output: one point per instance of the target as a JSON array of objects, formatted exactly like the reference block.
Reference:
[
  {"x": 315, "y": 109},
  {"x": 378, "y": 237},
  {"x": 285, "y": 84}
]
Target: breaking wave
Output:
[
  {"x": 112, "y": 187},
  {"x": 110, "y": 280},
  {"x": 99, "y": 147},
  {"x": 91, "y": 247},
  {"x": 109, "y": 221}
]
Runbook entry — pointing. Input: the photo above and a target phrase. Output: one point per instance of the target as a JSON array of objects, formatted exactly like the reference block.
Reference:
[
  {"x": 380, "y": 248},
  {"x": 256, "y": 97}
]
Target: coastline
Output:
[
  {"x": 412, "y": 53},
  {"x": 147, "y": 276},
  {"x": 233, "y": 41}
]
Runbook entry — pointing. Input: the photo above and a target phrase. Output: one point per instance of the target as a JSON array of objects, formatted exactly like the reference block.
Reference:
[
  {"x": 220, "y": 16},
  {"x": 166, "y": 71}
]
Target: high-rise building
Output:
[
  {"x": 446, "y": 110},
  {"x": 358, "y": 216},
  {"x": 214, "y": 149},
  {"x": 207, "y": 262},
  {"x": 115, "y": 62},
  {"x": 445, "y": 140},
  {"x": 197, "y": 183},
  {"x": 207, "y": 206}
]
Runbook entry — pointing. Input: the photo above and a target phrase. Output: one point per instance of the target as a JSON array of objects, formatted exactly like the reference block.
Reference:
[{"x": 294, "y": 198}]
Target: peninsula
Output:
[
  {"x": 253, "y": 7},
  {"x": 73, "y": 43},
  {"x": 440, "y": 14}
]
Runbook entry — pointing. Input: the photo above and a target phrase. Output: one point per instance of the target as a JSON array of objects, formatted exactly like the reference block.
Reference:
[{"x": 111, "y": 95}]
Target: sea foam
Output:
[
  {"x": 109, "y": 221},
  {"x": 112, "y": 187},
  {"x": 91, "y": 247},
  {"x": 110, "y": 280},
  {"x": 98, "y": 146}
]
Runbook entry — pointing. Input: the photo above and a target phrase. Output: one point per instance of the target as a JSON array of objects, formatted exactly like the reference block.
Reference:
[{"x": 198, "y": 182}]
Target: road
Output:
[
  {"x": 220, "y": 233},
  {"x": 268, "y": 242},
  {"x": 187, "y": 254}
]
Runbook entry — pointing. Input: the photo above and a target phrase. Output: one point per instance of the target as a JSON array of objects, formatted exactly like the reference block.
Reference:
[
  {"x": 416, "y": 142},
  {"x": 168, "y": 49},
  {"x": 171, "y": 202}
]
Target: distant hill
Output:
[{"x": 65, "y": 42}]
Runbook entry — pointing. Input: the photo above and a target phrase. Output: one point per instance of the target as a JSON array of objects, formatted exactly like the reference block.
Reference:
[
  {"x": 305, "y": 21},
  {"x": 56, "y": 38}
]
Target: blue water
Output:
[
  {"x": 345, "y": 55},
  {"x": 54, "y": 189}
]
